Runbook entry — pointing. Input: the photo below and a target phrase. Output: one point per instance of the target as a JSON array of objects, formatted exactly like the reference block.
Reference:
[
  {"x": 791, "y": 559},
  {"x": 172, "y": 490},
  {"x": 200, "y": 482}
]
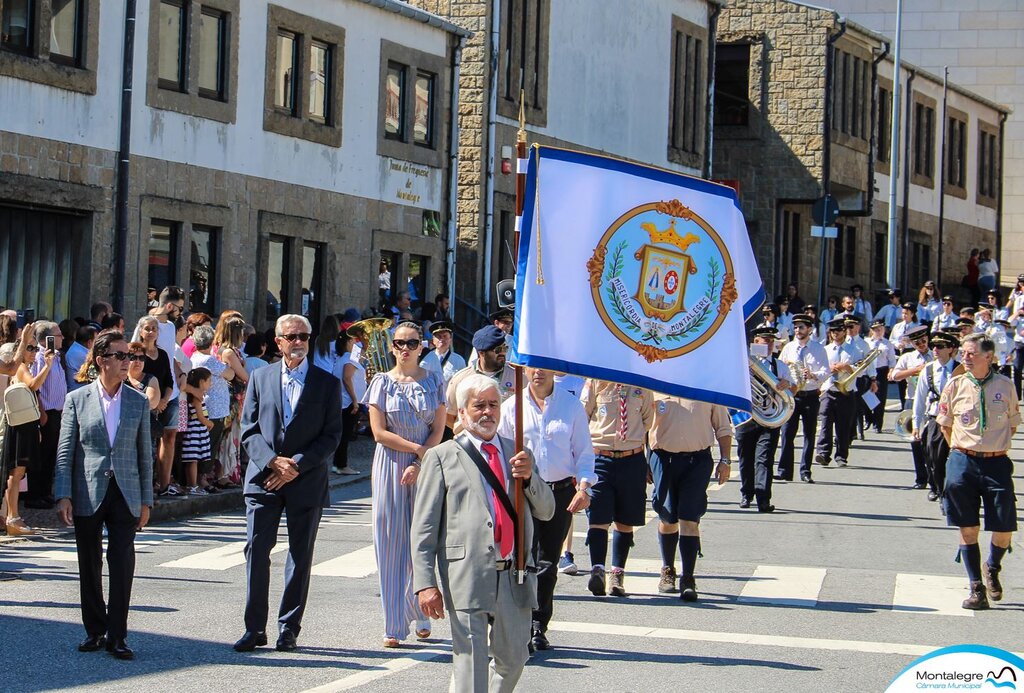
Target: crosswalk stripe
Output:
[
  {"x": 783, "y": 585},
  {"x": 354, "y": 564},
  {"x": 220, "y": 558},
  {"x": 380, "y": 670},
  {"x": 930, "y": 594}
]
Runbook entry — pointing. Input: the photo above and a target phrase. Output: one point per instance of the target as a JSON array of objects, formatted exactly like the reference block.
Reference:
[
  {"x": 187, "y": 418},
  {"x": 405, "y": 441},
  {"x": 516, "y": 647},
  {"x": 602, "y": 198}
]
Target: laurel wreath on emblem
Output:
[{"x": 615, "y": 269}]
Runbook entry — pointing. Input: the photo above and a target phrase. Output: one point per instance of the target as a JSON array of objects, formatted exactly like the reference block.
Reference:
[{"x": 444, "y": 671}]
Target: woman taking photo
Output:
[{"x": 407, "y": 417}]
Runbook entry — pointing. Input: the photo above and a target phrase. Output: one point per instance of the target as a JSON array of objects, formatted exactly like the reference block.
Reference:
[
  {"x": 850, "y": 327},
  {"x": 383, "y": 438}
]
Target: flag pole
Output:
[{"x": 520, "y": 566}]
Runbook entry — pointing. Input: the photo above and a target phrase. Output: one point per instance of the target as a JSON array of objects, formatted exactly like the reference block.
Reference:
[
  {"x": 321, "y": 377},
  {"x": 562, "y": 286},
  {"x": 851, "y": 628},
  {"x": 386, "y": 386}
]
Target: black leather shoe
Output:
[
  {"x": 918, "y": 487},
  {"x": 93, "y": 643},
  {"x": 251, "y": 640},
  {"x": 540, "y": 641},
  {"x": 805, "y": 477},
  {"x": 119, "y": 649},
  {"x": 932, "y": 496},
  {"x": 286, "y": 641},
  {"x": 766, "y": 508},
  {"x": 745, "y": 503}
]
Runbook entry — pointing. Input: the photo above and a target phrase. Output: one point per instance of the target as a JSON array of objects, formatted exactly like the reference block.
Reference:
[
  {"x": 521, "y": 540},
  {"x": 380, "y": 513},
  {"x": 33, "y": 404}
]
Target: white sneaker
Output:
[{"x": 197, "y": 491}]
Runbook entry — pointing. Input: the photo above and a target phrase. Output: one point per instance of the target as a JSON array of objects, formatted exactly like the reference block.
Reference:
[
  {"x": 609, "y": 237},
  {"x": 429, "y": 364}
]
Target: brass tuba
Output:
[
  {"x": 769, "y": 407},
  {"x": 376, "y": 357},
  {"x": 905, "y": 425},
  {"x": 848, "y": 383}
]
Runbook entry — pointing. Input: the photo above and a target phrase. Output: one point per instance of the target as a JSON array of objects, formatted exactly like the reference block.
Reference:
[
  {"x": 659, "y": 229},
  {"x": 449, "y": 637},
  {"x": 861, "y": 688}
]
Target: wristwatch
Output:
[
  {"x": 724, "y": 461},
  {"x": 589, "y": 490}
]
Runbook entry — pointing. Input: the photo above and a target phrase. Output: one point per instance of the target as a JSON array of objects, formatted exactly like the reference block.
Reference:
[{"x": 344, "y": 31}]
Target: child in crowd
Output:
[{"x": 196, "y": 455}]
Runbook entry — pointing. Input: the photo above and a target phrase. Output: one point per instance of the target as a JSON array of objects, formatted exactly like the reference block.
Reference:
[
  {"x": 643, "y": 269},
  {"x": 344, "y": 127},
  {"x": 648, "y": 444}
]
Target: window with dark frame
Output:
[
  {"x": 278, "y": 277},
  {"x": 988, "y": 164},
  {"x": 287, "y": 69},
  {"x": 320, "y": 55},
  {"x": 924, "y": 140},
  {"x": 920, "y": 262},
  {"x": 732, "y": 84},
  {"x": 394, "y": 102},
  {"x": 18, "y": 26},
  {"x": 163, "y": 255},
  {"x": 687, "y": 93},
  {"x": 312, "y": 272},
  {"x": 202, "y": 269},
  {"x": 956, "y": 152},
  {"x": 212, "y": 54},
  {"x": 524, "y": 55},
  {"x": 173, "y": 47},
  {"x": 878, "y": 256},
  {"x": 790, "y": 258},
  {"x": 884, "y": 151},
  {"x": 850, "y": 91},
  {"x": 66, "y": 32},
  {"x": 423, "y": 116},
  {"x": 844, "y": 251}
]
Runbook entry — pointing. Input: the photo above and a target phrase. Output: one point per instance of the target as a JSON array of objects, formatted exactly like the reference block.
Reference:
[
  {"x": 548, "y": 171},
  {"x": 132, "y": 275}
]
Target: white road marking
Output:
[
  {"x": 783, "y": 585},
  {"x": 391, "y": 666},
  {"x": 930, "y": 594},
  {"x": 715, "y": 487},
  {"x": 220, "y": 558},
  {"x": 354, "y": 564},
  {"x": 744, "y": 638}
]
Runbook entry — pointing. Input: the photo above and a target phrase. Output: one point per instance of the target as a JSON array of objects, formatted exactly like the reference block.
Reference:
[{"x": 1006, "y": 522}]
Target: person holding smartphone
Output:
[{"x": 52, "y": 391}]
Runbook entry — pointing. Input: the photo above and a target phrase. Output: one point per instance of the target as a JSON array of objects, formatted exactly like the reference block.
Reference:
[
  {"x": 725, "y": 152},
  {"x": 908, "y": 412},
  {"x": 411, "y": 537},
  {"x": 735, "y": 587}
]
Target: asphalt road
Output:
[{"x": 840, "y": 589}]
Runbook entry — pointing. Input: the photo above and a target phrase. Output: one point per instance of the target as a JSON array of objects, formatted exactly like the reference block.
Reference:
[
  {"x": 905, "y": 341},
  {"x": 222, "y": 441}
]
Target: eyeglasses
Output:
[
  {"x": 409, "y": 344},
  {"x": 31, "y": 349},
  {"x": 298, "y": 337},
  {"x": 922, "y": 340},
  {"x": 136, "y": 358},
  {"x": 119, "y": 355},
  {"x": 500, "y": 349}
]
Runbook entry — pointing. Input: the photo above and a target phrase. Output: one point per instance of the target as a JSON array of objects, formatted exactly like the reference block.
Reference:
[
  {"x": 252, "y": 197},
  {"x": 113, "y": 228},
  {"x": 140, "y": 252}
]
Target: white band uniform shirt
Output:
[
  {"x": 861, "y": 347},
  {"x": 898, "y": 330},
  {"x": 863, "y": 307},
  {"x": 944, "y": 321},
  {"x": 910, "y": 360},
  {"x": 926, "y": 404},
  {"x": 886, "y": 357},
  {"x": 927, "y": 311},
  {"x": 292, "y": 382},
  {"x": 558, "y": 437},
  {"x": 812, "y": 357},
  {"x": 890, "y": 313},
  {"x": 837, "y": 353}
]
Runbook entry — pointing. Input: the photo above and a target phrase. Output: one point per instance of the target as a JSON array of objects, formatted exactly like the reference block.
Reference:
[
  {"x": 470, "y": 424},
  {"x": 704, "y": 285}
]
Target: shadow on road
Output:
[{"x": 563, "y": 657}]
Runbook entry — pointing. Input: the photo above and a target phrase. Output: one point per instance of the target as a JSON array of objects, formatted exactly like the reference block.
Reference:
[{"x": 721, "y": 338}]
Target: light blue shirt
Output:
[
  {"x": 73, "y": 361},
  {"x": 292, "y": 382}
]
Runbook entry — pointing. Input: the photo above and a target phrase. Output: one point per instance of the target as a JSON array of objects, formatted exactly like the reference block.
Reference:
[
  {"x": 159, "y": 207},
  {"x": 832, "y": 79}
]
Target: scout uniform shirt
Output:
[
  {"x": 506, "y": 384},
  {"x": 683, "y": 425},
  {"x": 619, "y": 415},
  {"x": 960, "y": 408}
]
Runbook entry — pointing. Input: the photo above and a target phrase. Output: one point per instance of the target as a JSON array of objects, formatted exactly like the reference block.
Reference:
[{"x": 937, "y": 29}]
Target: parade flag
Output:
[{"x": 635, "y": 275}]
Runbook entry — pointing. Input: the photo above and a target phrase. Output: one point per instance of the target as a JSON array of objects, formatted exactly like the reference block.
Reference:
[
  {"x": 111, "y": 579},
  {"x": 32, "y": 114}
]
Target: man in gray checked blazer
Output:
[
  {"x": 458, "y": 525},
  {"x": 105, "y": 477}
]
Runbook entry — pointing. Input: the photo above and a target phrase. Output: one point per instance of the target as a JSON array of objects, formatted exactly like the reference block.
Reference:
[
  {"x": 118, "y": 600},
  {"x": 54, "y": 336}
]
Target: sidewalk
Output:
[{"x": 180, "y": 507}]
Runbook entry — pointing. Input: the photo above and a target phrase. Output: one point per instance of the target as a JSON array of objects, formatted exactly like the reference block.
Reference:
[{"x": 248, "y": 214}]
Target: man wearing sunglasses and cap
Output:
[
  {"x": 835, "y": 418},
  {"x": 947, "y": 318},
  {"x": 908, "y": 368},
  {"x": 884, "y": 362},
  {"x": 504, "y": 320},
  {"x": 930, "y": 383},
  {"x": 491, "y": 347},
  {"x": 890, "y": 313},
  {"x": 291, "y": 426},
  {"x": 809, "y": 356},
  {"x": 442, "y": 359}
]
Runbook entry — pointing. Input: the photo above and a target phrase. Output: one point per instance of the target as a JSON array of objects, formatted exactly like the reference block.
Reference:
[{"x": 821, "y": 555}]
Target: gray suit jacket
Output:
[
  {"x": 84, "y": 452},
  {"x": 452, "y": 528}
]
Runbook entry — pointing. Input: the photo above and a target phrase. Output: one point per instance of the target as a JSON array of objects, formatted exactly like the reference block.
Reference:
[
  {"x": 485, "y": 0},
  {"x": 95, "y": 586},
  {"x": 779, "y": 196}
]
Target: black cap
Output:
[
  {"x": 769, "y": 332},
  {"x": 964, "y": 322},
  {"x": 856, "y": 287},
  {"x": 808, "y": 308},
  {"x": 916, "y": 333},
  {"x": 909, "y": 306},
  {"x": 837, "y": 324},
  {"x": 851, "y": 320},
  {"x": 1020, "y": 277},
  {"x": 802, "y": 319},
  {"x": 770, "y": 307},
  {"x": 487, "y": 338},
  {"x": 878, "y": 323},
  {"x": 930, "y": 283},
  {"x": 947, "y": 299},
  {"x": 500, "y": 314},
  {"x": 943, "y": 339},
  {"x": 993, "y": 292},
  {"x": 984, "y": 306},
  {"x": 1004, "y": 323},
  {"x": 895, "y": 292},
  {"x": 442, "y": 326}
]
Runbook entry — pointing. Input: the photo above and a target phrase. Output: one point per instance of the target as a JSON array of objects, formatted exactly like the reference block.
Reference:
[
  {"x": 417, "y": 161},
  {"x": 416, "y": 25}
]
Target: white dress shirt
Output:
[
  {"x": 111, "y": 410},
  {"x": 887, "y": 357},
  {"x": 898, "y": 330},
  {"x": 909, "y": 360},
  {"x": 859, "y": 345},
  {"x": 451, "y": 363},
  {"x": 944, "y": 321},
  {"x": 925, "y": 405},
  {"x": 890, "y": 313},
  {"x": 292, "y": 382},
  {"x": 813, "y": 357},
  {"x": 836, "y": 353},
  {"x": 863, "y": 306},
  {"x": 558, "y": 436}
]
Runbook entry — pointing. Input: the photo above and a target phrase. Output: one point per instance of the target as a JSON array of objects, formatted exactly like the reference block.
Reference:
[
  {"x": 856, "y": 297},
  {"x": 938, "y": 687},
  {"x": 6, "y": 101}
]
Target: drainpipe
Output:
[
  {"x": 124, "y": 159},
  {"x": 453, "y": 173},
  {"x": 906, "y": 182},
  {"x": 999, "y": 199},
  {"x": 492, "y": 117},
  {"x": 942, "y": 175},
  {"x": 709, "y": 116},
  {"x": 826, "y": 154}
]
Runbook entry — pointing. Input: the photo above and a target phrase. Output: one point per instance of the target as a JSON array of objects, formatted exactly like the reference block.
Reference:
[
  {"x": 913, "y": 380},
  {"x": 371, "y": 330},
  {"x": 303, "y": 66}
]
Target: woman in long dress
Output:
[{"x": 407, "y": 416}]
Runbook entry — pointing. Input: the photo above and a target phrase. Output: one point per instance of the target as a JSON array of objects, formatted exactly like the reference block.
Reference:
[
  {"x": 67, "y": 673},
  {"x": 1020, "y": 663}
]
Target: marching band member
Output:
[
  {"x": 816, "y": 332},
  {"x": 933, "y": 378},
  {"x": 979, "y": 412},
  {"x": 928, "y": 304},
  {"x": 908, "y": 368},
  {"x": 947, "y": 318},
  {"x": 441, "y": 335},
  {"x": 884, "y": 362},
  {"x": 837, "y": 407},
  {"x": 491, "y": 347},
  {"x": 867, "y": 381},
  {"x": 681, "y": 437},
  {"x": 890, "y": 313},
  {"x": 620, "y": 416},
  {"x": 756, "y": 444},
  {"x": 983, "y": 318},
  {"x": 1005, "y": 355},
  {"x": 556, "y": 432},
  {"x": 907, "y": 321},
  {"x": 807, "y": 355},
  {"x": 999, "y": 312},
  {"x": 861, "y": 306},
  {"x": 965, "y": 326},
  {"x": 770, "y": 317}
]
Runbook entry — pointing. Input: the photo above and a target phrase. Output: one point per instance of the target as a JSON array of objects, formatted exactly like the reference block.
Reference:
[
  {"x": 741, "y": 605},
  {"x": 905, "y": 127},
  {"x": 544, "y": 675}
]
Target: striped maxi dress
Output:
[{"x": 409, "y": 409}]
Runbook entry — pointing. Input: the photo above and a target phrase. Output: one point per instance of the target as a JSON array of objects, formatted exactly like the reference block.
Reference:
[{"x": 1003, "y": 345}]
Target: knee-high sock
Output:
[
  {"x": 995, "y": 557},
  {"x": 689, "y": 547},
  {"x": 621, "y": 541},
  {"x": 668, "y": 548},
  {"x": 597, "y": 540},
  {"x": 971, "y": 555}
]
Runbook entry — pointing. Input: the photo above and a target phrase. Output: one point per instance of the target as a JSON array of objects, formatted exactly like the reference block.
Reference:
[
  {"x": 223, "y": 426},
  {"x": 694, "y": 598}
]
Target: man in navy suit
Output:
[{"x": 291, "y": 425}]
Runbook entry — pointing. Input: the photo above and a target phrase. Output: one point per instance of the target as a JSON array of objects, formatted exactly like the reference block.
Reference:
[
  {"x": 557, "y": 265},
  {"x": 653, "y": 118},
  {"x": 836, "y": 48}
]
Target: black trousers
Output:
[
  {"x": 40, "y": 481},
  {"x": 878, "y": 415},
  {"x": 349, "y": 421},
  {"x": 1018, "y": 368},
  {"x": 920, "y": 466},
  {"x": 806, "y": 413},
  {"x": 836, "y": 418},
  {"x": 936, "y": 450},
  {"x": 548, "y": 537},
  {"x": 756, "y": 447},
  {"x": 902, "y": 387},
  {"x": 99, "y": 617},
  {"x": 262, "y": 519}
]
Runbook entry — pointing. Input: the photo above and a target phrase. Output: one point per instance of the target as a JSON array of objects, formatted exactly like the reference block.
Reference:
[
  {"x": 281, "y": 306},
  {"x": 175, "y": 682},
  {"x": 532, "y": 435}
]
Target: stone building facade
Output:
[
  {"x": 279, "y": 151},
  {"x": 801, "y": 109}
]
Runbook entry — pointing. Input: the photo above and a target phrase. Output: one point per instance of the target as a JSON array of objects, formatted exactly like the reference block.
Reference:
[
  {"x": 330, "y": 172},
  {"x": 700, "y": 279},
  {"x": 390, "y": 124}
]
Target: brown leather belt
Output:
[
  {"x": 975, "y": 453},
  {"x": 616, "y": 454}
]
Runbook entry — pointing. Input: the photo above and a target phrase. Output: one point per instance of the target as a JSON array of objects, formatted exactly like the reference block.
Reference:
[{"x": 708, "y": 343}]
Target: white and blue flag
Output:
[{"x": 635, "y": 275}]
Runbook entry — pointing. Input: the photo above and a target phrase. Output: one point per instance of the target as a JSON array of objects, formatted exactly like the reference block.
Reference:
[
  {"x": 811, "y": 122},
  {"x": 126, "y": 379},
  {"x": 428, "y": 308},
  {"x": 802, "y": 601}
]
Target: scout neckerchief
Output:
[{"x": 980, "y": 384}]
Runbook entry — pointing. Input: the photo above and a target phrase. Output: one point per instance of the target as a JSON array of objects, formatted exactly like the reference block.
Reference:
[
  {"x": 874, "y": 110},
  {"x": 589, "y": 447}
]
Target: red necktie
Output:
[{"x": 504, "y": 531}]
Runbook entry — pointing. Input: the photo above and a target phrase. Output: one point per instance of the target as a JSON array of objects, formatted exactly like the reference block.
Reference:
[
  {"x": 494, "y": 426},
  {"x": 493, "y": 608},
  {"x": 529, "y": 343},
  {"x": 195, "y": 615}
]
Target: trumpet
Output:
[
  {"x": 769, "y": 407},
  {"x": 376, "y": 357},
  {"x": 848, "y": 383}
]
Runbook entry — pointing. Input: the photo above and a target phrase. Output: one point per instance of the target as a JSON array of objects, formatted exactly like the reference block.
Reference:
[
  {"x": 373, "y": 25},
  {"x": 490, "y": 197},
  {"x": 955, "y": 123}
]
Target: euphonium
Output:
[
  {"x": 905, "y": 425},
  {"x": 376, "y": 355},
  {"x": 769, "y": 407},
  {"x": 848, "y": 383}
]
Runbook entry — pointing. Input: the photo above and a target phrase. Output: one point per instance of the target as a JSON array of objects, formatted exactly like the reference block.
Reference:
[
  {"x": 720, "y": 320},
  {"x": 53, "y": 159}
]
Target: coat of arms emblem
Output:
[{"x": 662, "y": 280}]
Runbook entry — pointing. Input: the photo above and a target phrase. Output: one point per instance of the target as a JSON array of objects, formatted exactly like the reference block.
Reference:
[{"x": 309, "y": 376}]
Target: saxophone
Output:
[{"x": 848, "y": 383}]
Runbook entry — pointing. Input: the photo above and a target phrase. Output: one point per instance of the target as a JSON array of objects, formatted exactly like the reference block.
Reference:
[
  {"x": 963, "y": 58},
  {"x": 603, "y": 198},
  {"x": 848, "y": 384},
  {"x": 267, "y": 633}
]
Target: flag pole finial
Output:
[{"x": 521, "y": 135}]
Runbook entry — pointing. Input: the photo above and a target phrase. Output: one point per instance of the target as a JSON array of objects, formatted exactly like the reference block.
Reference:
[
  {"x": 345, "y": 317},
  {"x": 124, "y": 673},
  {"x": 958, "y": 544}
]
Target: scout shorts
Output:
[
  {"x": 620, "y": 494},
  {"x": 681, "y": 484},
  {"x": 973, "y": 482}
]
